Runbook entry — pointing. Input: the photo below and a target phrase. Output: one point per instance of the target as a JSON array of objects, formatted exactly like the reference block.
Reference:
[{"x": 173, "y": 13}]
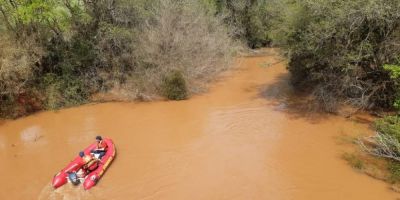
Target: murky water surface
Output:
[{"x": 245, "y": 139}]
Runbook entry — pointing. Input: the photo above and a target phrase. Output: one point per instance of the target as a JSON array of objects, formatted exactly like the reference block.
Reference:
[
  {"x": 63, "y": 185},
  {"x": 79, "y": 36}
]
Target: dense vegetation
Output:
[
  {"x": 339, "y": 49},
  {"x": 250, "y": 19},
  {"x": 58, "y": 53}
]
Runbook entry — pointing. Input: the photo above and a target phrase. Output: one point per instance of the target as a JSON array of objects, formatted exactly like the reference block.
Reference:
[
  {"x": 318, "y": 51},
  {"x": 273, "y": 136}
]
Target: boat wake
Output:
[{"x": 67, "y": 192}]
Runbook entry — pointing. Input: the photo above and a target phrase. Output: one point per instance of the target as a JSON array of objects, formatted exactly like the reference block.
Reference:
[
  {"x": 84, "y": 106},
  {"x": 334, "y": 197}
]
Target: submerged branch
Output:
[{"x": 381, "y": 145}]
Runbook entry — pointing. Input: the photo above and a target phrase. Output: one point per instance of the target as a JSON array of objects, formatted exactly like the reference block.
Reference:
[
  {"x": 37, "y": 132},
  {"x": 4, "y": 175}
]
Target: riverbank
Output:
[{"x": 246, "y": 139}]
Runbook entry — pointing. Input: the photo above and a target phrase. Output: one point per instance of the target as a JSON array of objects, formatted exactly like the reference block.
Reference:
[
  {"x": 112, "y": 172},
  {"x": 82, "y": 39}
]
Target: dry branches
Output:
[{"x": 381, "y": 145}]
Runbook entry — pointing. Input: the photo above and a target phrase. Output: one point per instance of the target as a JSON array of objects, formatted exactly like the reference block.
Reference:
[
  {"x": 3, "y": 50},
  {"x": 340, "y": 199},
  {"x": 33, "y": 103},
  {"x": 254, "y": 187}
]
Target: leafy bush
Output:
[
  {"x": 174, "y": 86},
  {"x": 64, "y": 91},
  {"x": 389, "y": 125},
  {"x": 395, "y": 76}
]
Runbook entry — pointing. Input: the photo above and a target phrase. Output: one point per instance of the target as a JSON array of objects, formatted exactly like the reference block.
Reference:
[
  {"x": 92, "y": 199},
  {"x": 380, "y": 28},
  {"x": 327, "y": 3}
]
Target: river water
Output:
[{"x": 244, "y": 139}]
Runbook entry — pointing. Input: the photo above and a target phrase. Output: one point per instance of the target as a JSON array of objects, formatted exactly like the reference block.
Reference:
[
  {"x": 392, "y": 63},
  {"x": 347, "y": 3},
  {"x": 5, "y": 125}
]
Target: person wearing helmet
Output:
[
  {"x": 101, "y": 147},
  {"x": 82, "y": 155}
]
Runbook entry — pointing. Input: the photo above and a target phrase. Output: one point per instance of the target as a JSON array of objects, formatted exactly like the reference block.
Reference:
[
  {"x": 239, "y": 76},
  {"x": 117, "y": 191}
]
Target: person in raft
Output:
[
  {"x": 101, "y": 148},
  {"x": 89, "y": 164}
]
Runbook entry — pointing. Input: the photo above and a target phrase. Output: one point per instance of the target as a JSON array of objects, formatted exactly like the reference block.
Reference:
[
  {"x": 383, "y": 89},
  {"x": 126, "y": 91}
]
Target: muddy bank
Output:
[{"x": 244, "y": 139}]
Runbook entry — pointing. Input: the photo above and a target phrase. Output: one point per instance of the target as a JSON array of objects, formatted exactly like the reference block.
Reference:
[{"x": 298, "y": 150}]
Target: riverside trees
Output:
[
  {"x": 58, "y": 53},
  {"x": 338, "y": 50}
]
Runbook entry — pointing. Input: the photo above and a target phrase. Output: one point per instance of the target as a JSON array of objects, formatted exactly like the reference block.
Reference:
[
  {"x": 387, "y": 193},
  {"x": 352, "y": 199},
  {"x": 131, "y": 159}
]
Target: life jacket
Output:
[{"x": 102, "y": 145}]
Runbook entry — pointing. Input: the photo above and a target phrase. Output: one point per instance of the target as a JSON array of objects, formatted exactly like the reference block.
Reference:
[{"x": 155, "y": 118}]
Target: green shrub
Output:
[
  {"x": 395, "y": 76},
  {"x": 389, "y": 125},
  {"x": 64, "y": 91},
  {"x": 174, "y": 86}
]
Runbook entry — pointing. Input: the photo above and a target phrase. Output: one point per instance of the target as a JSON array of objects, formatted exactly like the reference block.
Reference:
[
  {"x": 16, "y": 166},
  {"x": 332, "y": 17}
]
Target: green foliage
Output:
[
  {"x": 395, "y": 76},
  {"x": 394, "y": 70},
  {"x": 41, "y": 17},
  {"x": 174, "y": 86},
  {"x": 41, "y": 11},
  {"x": 389, "y": 125},
  {"x": 64, "y": 91},
  {"x": 66, "y": 37}
]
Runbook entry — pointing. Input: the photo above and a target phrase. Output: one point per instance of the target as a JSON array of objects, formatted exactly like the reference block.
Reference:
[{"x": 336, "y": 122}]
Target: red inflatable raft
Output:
[{"x": 93, "y": 177}]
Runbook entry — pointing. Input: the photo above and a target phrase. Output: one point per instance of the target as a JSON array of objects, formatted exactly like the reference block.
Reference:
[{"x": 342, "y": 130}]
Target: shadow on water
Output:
[
  {"x": 281, "y": 95},
  {"x": 260, "y": 53},
  {"x": 367, "y": 120}
]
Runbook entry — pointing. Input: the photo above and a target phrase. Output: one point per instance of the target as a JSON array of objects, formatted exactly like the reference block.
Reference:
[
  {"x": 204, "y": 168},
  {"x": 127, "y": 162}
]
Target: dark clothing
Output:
[{"x": 101, "y": 153}]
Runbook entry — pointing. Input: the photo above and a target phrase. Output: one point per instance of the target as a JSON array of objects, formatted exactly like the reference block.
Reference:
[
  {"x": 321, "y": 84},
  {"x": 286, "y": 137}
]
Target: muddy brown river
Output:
[{"x": 244, "y": 139}]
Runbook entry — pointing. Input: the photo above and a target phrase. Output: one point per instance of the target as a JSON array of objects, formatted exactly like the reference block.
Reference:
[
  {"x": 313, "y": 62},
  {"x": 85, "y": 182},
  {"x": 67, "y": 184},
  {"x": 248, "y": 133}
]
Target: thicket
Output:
[
  {"x": 249, "y": 19},
  {"x": 180, "y": 36},
  {"x": 338, "y": 49},
  {"x": 58, "y": 53}
]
